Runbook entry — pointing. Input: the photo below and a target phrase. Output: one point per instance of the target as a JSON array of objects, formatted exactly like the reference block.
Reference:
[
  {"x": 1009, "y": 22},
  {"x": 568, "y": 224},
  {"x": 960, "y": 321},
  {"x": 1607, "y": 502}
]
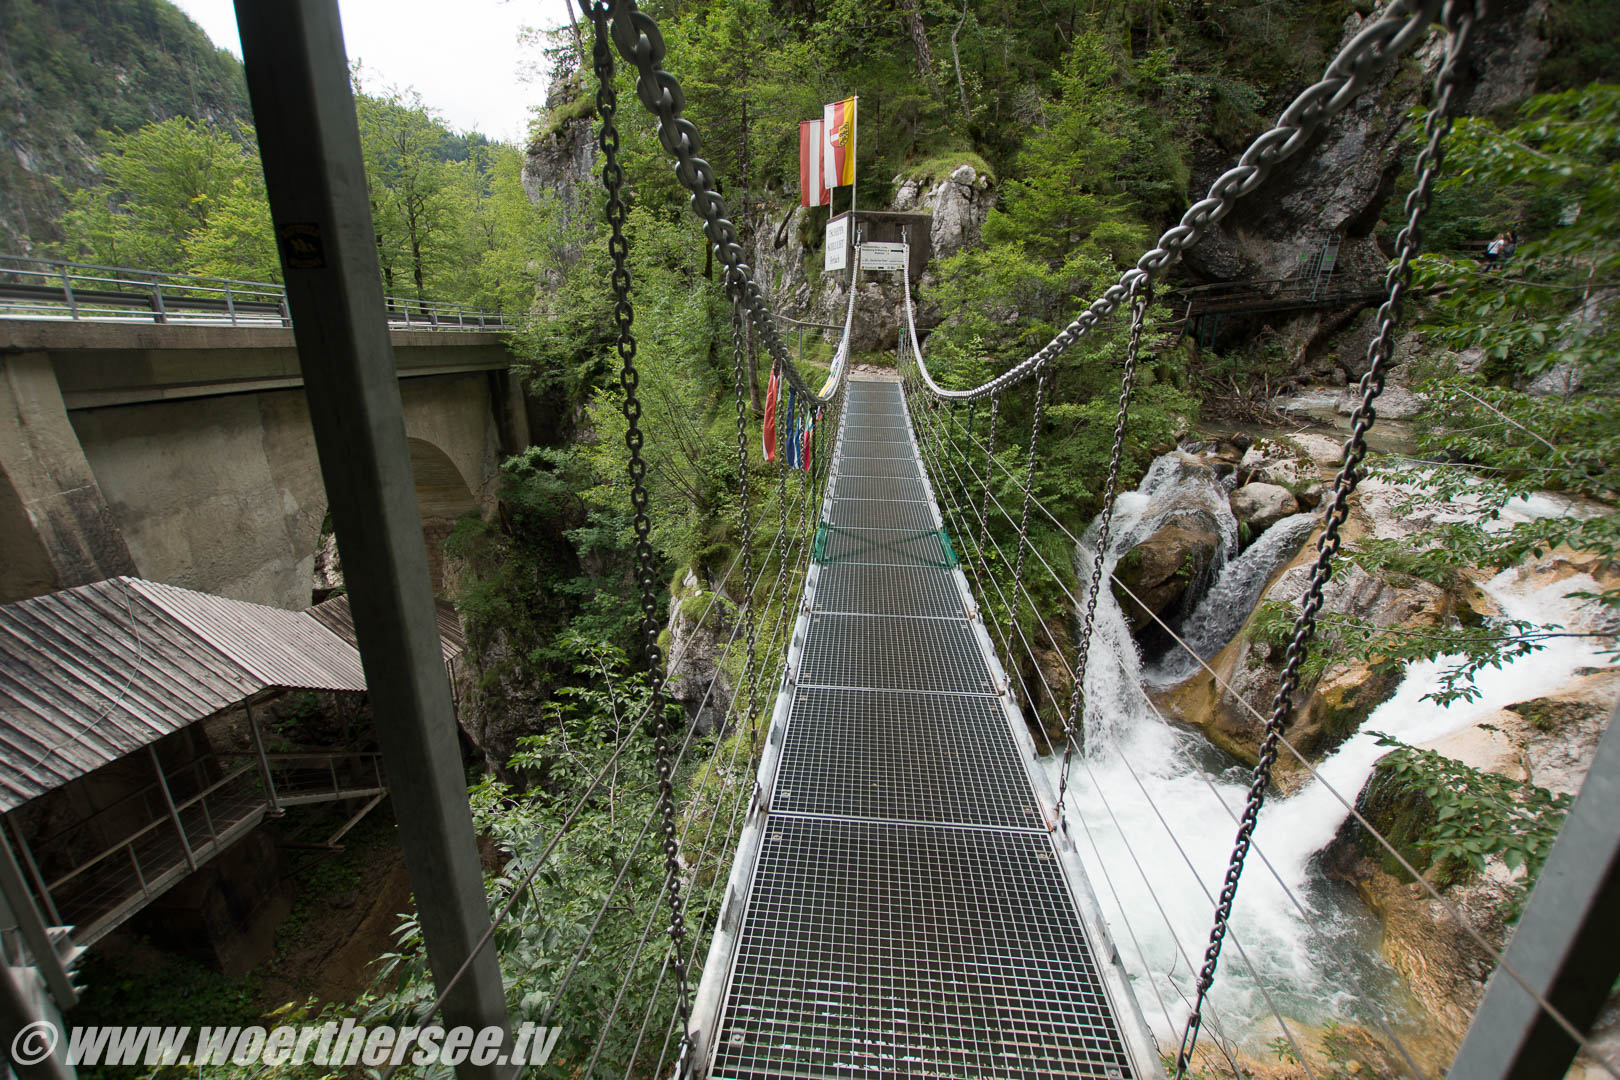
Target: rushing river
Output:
[{"x": 1153, "y": 805}]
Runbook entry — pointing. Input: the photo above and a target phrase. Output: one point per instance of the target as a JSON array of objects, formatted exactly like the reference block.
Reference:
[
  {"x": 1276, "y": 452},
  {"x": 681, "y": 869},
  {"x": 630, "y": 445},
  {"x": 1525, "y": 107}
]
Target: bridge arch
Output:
[{"x": 442, "y": 496}]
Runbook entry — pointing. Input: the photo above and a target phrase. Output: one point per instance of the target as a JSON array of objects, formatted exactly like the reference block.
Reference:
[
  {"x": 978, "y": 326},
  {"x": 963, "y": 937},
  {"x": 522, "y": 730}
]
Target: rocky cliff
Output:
[{"x": 69, "y": 72}]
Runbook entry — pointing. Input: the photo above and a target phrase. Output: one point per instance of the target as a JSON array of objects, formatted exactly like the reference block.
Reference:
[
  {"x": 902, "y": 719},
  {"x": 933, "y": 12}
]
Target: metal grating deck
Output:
[
  {"x": 899, "y": 907},
  {"x": 885, "y": 547},
  {"x": 877, "y": 514},
  {"x": 877, "y": 949},
  {"x": 961, "y": 764},
  {"x": 892, "y": 467},
  {"x": 889, "y": 590}
]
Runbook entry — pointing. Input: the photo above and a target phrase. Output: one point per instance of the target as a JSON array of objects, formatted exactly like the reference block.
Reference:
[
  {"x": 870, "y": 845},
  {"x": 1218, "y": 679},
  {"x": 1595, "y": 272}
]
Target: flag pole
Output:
[{"x": 855, "y": 159}]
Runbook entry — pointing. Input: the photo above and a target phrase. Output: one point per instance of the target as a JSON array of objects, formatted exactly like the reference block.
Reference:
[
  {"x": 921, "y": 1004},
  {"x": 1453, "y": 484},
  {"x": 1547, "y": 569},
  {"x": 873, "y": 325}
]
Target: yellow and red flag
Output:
[{"x": 838, "y": 151}]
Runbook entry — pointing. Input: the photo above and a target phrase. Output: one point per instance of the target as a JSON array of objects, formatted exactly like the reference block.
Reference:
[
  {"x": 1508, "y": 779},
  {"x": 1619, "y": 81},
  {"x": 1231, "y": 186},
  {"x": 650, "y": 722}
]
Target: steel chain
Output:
[
  {"x": 1029, "y": 479},
  {"x": 1074, "y": 727},
  {"x": 739, "y": 346},
  {"x": 638, "y": 39},
  {"x": 646, "y": 578},
  {"x": 1459, "y": 17}
]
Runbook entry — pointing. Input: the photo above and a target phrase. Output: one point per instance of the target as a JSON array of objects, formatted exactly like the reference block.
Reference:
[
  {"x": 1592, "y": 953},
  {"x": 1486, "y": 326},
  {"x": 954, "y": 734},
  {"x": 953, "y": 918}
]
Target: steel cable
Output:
[{"x": 1349, "y": 806}]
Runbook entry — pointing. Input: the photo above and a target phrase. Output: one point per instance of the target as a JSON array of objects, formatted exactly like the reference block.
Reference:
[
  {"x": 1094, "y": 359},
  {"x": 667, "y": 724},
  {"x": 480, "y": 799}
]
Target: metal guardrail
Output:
[{"x": 52, "y": 289}]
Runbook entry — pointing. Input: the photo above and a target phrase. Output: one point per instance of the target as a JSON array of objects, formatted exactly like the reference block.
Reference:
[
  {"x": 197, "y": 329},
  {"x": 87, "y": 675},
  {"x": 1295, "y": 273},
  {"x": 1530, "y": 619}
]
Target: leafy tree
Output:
[
  {"x": 412, "y": 189},
  {"x": 167, "y": 186}
]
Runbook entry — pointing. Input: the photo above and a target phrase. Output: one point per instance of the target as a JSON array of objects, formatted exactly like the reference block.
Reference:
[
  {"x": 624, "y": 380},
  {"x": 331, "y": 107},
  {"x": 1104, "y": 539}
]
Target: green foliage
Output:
[
  {"x": 1479, "y": 814},
  {"x": 1547, "y": 313},
  {"x": 177, "y": 195},
  {"x": 76, "y": 70}
]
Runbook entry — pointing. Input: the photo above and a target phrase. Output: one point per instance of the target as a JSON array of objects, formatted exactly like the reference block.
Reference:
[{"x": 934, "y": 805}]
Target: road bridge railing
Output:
[{"x": 33, "y": 288}]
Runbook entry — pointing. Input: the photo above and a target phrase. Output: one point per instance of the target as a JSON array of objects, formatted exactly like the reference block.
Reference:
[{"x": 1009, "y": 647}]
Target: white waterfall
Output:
[{"x": 1149, "y": 797}]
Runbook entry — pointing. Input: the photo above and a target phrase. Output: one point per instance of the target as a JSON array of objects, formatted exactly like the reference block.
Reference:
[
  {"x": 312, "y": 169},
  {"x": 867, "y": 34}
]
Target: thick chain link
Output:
[
  {"x": 1074, "y": 727},
  {"x": 1459, "y": 17},
  {"x": 646, "y": 576},
  {"x": 639, "y": 41},
  {"x": 739, "y": 356},
  {"x": 1402, "y": 26},
  {"x": 1029, "y": 474}
]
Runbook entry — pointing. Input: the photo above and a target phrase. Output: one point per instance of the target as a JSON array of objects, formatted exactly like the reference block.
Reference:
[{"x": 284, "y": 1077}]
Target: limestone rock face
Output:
[
  {"x": 1260, "y": 506},
  {"x": 959, "y": 204},
  {"x": 1159, "y": 570},
  {"x": 563, "y": 162},
  {"x": 696, "y": 641}
]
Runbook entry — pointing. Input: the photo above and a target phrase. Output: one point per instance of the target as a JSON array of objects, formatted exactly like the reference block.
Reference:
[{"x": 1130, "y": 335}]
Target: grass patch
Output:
[{"x": 931, "y": 170}]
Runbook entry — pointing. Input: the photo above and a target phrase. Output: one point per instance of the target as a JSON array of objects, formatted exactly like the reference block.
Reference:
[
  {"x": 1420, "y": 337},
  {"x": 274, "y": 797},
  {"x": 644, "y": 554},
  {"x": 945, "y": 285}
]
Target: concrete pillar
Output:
[
  {"x": 298, "y": 82},
  {"x": 55, "y": 525},
  {"x": 506, "y": 400}
]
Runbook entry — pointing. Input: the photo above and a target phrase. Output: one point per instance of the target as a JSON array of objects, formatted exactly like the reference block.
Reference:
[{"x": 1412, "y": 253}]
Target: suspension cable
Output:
[
  {"x": 639, "y": 41},
  {"x": 630, "y": 966},
  {"x": 686, "y": 744},
  {"x": 1349, "y": 805},
  {"x": 647, "y": 579},
  {"x": 1437, "y": 124},
  {"x": 1074, "y": 726},
  {"x": 1018, "y": 585}
]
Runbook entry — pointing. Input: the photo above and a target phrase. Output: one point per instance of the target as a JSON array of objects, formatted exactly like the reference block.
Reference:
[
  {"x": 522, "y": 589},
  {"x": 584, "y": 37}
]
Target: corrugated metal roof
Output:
[
  {"x": 280, "y": 648},
  {"x": 91, "y": 674},
  {"x": 335, "y": 615}
]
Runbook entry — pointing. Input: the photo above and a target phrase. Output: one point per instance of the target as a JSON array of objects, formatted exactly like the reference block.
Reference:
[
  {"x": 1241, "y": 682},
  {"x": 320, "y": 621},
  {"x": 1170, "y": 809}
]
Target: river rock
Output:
[
  {"x": 1268, "y": 461},
  {"x": 1323, "y": 450},
  {"x": 1330, "y": 708},
  {"x": 1158, "y": 571},
  {"x": 1260, "y": 506},
  {"x": 1395, "y": 403}
]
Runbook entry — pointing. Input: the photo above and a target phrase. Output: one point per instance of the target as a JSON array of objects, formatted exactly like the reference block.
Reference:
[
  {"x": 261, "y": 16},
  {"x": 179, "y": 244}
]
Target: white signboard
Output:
[
  {"x": 837, "y": 245},
  {"x": 883, "y": 256}
]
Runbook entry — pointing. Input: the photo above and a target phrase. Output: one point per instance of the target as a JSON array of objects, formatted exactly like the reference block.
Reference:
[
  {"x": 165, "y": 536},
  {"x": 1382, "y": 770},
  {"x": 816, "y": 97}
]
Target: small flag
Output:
[
  {"x": 770, "y": 416},
  {"x": 813, "y": 190},
  {"x": 791, "y": 438},
  {"x": 838, "y": 142}
]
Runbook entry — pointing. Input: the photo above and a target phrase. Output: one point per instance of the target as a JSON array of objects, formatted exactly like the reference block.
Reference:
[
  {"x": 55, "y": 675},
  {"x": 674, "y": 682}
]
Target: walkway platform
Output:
[{"x": 898, "y": 906}]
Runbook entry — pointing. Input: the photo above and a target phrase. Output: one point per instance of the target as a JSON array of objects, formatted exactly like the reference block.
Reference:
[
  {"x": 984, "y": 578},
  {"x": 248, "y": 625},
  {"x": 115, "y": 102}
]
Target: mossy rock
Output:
[
  {"x": 1405, "y": 815},
  {"x": 1548, "y": 716}
]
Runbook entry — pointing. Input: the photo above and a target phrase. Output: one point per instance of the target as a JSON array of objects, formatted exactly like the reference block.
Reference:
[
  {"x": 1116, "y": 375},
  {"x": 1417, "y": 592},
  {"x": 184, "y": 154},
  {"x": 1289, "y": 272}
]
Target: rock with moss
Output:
[{"x": 699, "y": 623}]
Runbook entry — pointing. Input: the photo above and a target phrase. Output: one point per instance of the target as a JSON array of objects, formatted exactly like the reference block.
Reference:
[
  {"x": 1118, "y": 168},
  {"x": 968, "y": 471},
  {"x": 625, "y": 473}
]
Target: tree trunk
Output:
[
  {"x": 956, "y": 58},
  {"x": 919, "y": 43}
]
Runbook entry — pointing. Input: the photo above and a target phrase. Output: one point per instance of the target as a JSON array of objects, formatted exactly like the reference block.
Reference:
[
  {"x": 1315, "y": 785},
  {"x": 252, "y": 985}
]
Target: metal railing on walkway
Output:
[
  {"x": 84, "y": 292},
  {"x": 117, "y": 879}
]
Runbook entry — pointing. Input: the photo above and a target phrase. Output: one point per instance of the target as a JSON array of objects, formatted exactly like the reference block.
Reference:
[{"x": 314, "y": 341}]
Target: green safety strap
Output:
[{"x": 824, "y": 532}]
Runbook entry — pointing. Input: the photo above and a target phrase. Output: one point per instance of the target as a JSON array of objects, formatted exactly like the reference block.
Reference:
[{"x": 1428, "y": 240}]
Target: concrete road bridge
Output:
[{"x": 181, "y": 451}]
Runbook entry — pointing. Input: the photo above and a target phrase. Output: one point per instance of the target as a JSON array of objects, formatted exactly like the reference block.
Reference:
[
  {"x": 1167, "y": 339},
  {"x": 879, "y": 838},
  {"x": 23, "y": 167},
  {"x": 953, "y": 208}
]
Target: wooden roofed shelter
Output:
[{"x": 132, "y": 748}]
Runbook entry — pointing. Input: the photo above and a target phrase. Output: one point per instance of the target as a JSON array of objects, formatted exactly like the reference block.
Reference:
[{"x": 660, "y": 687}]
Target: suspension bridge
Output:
[{"x": 900, "y": 893}]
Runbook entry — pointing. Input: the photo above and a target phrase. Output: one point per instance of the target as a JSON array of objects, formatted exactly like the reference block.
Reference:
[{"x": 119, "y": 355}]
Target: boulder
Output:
[
  {"x": 1322, "y": 450},
  {"x": 1260, "y": 506},
  {"x": 1158, "y": 571},
  {"x": 1268, "y": 461},
  {"x": 1395, "y": 403}
]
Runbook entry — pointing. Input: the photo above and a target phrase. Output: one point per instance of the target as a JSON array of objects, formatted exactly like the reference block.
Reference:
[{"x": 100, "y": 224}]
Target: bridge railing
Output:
[{"x": 54, "y": 289}]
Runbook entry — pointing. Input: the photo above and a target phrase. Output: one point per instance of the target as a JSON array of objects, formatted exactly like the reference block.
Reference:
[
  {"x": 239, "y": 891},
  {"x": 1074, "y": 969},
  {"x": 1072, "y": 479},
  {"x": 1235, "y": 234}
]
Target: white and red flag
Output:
[{"x": 813, "y": 189}]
